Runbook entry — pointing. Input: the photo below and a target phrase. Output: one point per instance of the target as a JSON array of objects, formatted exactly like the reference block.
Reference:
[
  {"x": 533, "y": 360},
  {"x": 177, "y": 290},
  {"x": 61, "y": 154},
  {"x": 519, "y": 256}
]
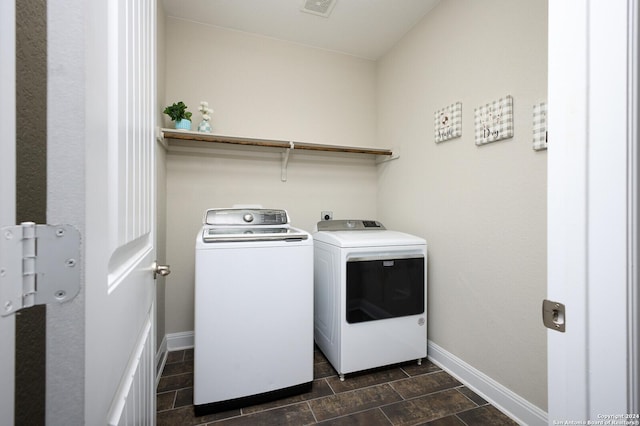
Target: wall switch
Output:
[{"x": 326, "y": 215}]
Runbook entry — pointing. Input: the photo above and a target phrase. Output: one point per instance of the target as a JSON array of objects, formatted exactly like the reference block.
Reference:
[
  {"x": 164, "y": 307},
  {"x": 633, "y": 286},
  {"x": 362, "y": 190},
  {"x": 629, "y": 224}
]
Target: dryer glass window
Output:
[{"x": 381, "y": 289}]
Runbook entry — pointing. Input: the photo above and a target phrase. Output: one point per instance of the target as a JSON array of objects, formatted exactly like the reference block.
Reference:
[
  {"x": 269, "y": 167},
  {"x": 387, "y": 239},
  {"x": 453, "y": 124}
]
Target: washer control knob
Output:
[{"x": 248, "y": 217}]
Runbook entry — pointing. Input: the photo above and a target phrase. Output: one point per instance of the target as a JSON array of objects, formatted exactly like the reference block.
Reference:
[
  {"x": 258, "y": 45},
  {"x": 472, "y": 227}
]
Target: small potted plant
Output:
[{"x": 178, "y": 113}]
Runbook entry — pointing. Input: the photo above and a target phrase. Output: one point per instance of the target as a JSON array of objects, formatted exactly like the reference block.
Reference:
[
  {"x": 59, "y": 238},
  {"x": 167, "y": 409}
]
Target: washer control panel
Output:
[{"x": 246, "y": 217}]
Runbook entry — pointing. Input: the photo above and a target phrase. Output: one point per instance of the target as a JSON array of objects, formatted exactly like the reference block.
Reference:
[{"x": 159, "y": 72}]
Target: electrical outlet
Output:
[{"x": 326, "y": 215}]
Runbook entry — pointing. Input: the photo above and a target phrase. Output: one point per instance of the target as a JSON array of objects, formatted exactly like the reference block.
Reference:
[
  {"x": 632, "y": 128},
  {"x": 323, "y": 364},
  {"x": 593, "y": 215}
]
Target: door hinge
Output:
[
  {"x": 39, "y": 264},
  {"x": 553, "y": 315}
]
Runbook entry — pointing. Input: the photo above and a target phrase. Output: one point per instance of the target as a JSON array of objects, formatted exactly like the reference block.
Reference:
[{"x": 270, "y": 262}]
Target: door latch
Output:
[{"x": 553, "y": 315}]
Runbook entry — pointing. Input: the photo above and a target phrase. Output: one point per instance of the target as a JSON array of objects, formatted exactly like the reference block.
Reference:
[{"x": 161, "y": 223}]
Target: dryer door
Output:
[{"x": 384, "y": 288}]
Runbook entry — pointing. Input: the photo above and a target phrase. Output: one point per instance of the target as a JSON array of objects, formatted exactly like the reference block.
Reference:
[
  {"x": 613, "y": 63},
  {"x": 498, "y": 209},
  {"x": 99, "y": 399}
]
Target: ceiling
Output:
[{"x": 362, "y": 28}]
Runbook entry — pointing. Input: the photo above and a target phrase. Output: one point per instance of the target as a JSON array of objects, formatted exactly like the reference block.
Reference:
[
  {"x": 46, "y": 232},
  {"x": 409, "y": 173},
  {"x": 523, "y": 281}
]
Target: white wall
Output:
[
  {"x": 262, "y": 88},
  {"x": 481, "y": 209}
]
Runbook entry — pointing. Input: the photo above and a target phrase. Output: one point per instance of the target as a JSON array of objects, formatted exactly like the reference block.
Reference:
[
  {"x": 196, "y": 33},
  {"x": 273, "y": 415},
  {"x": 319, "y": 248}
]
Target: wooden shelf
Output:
[
  {"x": 208, "y": 137},
  {"x": 185, "y": 135}
]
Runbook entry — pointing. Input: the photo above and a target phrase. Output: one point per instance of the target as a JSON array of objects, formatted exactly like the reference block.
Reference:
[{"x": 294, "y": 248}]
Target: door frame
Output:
[
  {"x": 592, "y": 208},
  {"x": 66, "y": 103},
  {"x": 7, "y": 188}
]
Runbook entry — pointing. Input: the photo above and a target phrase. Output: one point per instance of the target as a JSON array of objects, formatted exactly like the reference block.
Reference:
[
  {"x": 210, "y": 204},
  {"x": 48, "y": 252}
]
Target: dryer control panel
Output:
[{"x": 349, "y": 225}]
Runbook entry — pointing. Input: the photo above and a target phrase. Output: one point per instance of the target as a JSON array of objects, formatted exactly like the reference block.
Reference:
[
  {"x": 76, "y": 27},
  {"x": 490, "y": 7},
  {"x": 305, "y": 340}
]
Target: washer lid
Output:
[{"x": 212, "y": 234}]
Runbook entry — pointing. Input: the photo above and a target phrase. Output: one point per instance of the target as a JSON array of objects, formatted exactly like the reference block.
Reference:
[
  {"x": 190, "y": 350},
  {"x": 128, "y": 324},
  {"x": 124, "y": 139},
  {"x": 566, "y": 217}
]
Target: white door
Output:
[
  {"x": 120, "y": 238},
  {"x": 592, "y": 211},
  {"x": 7, "y": 190}
]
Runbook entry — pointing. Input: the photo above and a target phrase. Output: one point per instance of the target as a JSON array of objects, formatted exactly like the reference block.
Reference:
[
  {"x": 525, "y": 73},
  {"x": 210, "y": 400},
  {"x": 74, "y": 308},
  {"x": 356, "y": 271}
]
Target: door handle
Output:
[{"x": 162, "y": 270}]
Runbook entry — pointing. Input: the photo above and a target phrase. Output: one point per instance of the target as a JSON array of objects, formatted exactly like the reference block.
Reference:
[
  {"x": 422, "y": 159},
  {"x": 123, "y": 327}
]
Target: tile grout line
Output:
[
  {"x": 477, "y": 405},
  {"x": 330, "y": 387},
  {"x": 174, "y": 375},
  {"x": 175, "y": 397},
  {"x": 385, "y": 415},
  {"x": 463, "y": 422},
  {"x": 312, "y": 413},
  {"x": 380, "y": 407}
]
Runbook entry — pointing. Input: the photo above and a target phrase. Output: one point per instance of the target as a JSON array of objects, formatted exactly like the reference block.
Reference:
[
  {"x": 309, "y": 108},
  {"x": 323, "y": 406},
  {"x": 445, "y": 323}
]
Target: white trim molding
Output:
[
  {"x": 161, "y": 359},
  {"x": 181, "y": 340},
  {"x": 499, "y": 396},
  {"x": 634, "y": 209},
  {"x": 171, "y": 342}
]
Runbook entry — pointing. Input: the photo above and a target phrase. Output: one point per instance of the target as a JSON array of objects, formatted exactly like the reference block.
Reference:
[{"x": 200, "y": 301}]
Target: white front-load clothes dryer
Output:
[{"x": 370, "y": 295}]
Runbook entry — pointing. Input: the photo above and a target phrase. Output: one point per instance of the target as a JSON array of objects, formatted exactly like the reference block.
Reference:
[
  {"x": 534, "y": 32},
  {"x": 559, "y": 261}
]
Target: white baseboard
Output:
[
  {"x": 161, "y": 359},
  {"x": 171, "y": 342},
  {"x": 178, "y": 341},
  {"x": 499, "y": 396}
]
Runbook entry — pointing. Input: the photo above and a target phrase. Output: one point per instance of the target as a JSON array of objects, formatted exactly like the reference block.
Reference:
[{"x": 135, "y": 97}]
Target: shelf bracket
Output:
[
  {"x": 160, "y": 138},
  {"x": 394, "y": 156},
  {"x": 285, "y": 161}
]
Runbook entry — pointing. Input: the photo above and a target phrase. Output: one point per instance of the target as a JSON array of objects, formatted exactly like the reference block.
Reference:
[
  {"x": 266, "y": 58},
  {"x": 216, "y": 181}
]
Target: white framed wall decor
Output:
[
  {"x": 447, "y": 122},
  {"x": 494, "y": 121},
  {"x": 540, "y": 126}
]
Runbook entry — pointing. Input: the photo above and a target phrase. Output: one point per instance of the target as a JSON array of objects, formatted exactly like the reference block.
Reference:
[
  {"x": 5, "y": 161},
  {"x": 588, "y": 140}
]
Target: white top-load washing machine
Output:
[
  {"x": 253, "y": 309},
  {"x": 370, "y": 295}
]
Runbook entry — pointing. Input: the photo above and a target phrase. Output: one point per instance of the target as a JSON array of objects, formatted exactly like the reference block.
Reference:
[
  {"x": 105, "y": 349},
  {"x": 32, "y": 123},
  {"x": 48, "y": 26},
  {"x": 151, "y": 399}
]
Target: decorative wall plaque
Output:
[
  {"x": 540, "y": 126},
  {"x": 494, "y": 121},
  {"x": 447, "y": 122}
]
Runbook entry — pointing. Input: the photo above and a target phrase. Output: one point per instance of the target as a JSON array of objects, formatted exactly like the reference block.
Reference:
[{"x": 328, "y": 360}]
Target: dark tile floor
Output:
[{"x": 405, "y": 394}]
